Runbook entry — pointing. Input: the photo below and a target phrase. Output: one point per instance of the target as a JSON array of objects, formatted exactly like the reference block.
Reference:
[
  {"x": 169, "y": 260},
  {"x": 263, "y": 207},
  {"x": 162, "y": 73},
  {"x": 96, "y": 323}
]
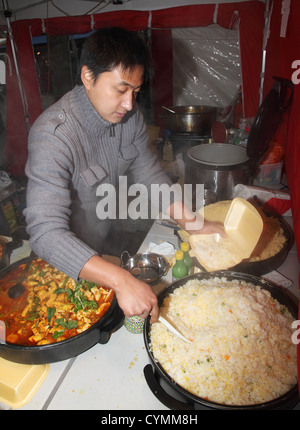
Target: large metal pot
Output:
[
  {"x": 100, "y": 332},
  {"x": 172, "y": 394},
  {"x": 222, "y": 166},
  {"x": 219, "y": 166},
  {"x": 191, "y": 119}
]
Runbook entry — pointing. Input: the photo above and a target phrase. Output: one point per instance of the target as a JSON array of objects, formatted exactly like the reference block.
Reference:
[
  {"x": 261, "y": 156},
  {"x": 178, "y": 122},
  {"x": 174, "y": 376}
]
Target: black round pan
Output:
[
  {"x": 98, "y": 333},
  {"x": 172, "y": 394},
  {"x": 261, "y": 267}
]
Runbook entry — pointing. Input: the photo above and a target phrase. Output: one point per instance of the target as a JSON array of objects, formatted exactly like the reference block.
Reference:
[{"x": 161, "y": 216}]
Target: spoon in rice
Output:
[{"x": 172, "y": 329}]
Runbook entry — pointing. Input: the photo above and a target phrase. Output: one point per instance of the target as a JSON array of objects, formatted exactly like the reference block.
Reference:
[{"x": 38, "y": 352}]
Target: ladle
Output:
[
  {"x": 18, "y": 289},
  {"x": 168, "y": 109},
  {"x": 172, "y": 329}
]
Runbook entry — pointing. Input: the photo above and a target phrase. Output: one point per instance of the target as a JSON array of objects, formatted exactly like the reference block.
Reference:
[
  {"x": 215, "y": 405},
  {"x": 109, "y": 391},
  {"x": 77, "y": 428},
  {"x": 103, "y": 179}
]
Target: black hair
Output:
[{"x": 110, "y": 47}]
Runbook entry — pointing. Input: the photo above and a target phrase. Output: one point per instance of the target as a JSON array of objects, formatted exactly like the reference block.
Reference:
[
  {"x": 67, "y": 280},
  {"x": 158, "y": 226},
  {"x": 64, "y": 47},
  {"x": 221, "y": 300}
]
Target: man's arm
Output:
[
  {"x": 193, "y": 223},
  {"x": 134, "y": 296}
]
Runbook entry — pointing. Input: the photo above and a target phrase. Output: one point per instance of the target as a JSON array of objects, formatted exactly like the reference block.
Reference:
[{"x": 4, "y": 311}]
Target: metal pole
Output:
[
  {"x": 264, "y": 53},
  {"x": 7, "y": 15}
]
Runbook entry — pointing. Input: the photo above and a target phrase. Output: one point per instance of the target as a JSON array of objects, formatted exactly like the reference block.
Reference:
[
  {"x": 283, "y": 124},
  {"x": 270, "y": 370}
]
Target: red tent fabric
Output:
[
  {"x": 251, "y": 27},
  {"x": 16, "y": 129},
  {"x": 281, "y": 53}
]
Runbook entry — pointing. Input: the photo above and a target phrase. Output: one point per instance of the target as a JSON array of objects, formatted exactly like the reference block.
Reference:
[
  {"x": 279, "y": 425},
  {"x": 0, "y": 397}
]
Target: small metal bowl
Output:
[{"x": 148, "y": 267}]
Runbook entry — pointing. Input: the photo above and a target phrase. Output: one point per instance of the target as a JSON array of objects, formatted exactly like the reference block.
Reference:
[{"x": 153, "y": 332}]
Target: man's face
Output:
[{"x": 113, "y": 93}]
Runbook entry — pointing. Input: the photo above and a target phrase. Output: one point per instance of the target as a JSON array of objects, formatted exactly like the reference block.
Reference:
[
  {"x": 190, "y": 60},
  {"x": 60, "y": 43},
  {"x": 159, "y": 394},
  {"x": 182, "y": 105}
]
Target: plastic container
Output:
[
  {"x": 268, "y": 174},
  {"x": 19, "y": 382},
  {"x": 243, "y": 226}
]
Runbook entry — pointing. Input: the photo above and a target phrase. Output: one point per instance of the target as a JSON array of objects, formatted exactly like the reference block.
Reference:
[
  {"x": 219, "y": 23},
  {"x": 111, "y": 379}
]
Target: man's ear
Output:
[{"x": 86, "y": 77}]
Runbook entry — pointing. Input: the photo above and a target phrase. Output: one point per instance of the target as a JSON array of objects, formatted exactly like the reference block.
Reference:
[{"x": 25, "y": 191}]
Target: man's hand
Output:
[
  {"x": 137, "y": 298},
  {"x": 134, "y": 296},
  {"x": 193, "y": 223}
]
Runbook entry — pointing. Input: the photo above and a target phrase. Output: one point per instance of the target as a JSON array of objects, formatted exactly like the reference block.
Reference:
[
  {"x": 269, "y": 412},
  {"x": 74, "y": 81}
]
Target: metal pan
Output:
[
  {"x": 100, "y": 332},
  {"x": 148, "y": 267},
  {"x": 172, "y": 394},
  {"x": 190, "y": 119}
]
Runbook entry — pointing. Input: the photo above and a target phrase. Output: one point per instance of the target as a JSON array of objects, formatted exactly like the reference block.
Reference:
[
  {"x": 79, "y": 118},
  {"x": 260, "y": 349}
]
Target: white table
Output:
[{"x": 110, "y": 376}]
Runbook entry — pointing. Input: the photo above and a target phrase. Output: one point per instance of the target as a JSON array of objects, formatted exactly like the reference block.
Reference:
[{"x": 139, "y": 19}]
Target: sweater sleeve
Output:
[{"x": 49, "y": 169}]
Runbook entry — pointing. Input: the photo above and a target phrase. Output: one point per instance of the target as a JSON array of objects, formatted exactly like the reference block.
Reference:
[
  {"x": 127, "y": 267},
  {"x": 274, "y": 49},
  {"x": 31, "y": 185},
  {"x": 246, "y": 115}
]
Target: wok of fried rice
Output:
[{"x": 242, "y": 351}]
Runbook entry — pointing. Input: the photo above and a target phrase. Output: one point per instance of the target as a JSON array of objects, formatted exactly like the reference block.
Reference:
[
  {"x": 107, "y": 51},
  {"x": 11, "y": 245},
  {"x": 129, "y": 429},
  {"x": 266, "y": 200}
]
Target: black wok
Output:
[
  {"x": 100, "y": 332},
  {"x": 172, "y": 394},
  {"x": 261, "y": 267}
]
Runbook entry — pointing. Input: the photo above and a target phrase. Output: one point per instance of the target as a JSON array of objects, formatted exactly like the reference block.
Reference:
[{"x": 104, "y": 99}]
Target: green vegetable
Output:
[
  {"x": 50, "y": 314},
  {"x": 33, "y": 313},
  {"x": 68, "y": 324},
  {"x": 58, "y": 334},
  {"x": 79, "y": 300}
]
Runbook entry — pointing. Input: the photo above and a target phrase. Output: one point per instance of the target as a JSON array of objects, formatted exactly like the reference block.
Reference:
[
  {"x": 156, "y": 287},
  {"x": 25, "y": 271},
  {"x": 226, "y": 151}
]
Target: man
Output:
[{"x": 93, "y": 135}]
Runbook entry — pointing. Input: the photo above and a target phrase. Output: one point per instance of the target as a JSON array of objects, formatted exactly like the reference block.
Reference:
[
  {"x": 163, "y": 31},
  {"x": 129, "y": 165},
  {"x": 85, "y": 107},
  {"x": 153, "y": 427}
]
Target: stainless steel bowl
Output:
[{"x": 148, "y": 267}]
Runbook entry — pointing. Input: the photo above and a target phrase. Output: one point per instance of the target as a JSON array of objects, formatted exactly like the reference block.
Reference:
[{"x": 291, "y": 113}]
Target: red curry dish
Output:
[{"x": 53, "y": 308}]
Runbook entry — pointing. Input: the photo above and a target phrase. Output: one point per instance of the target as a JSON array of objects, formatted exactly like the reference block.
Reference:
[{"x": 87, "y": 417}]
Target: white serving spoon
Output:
[
  {"x": 168, "y": 109},
  {"x": 172, "y": 329}
]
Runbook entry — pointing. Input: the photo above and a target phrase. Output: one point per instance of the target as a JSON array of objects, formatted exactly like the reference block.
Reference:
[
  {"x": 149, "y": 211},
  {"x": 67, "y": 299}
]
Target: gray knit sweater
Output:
[{"x": 71, "y": 151}]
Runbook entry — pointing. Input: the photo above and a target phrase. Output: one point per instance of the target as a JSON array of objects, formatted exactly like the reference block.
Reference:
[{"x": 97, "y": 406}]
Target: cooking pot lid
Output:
[
  {"x": 268, "y": 118},
  {"x": 218, "y": 154}
]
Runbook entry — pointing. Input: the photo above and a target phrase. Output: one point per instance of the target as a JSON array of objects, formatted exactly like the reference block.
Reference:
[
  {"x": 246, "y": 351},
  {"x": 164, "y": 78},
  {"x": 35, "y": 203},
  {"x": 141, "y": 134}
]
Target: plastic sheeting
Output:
[
  {"x": 206, "y": 66},
  {"x": 251, "y": 14}
]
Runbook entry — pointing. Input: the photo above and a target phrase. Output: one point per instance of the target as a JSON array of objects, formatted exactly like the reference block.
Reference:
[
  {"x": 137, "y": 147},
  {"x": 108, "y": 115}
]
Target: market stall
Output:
[
  {"x": 160, "y": 22},
  {"x": 268, "y": 102}
]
